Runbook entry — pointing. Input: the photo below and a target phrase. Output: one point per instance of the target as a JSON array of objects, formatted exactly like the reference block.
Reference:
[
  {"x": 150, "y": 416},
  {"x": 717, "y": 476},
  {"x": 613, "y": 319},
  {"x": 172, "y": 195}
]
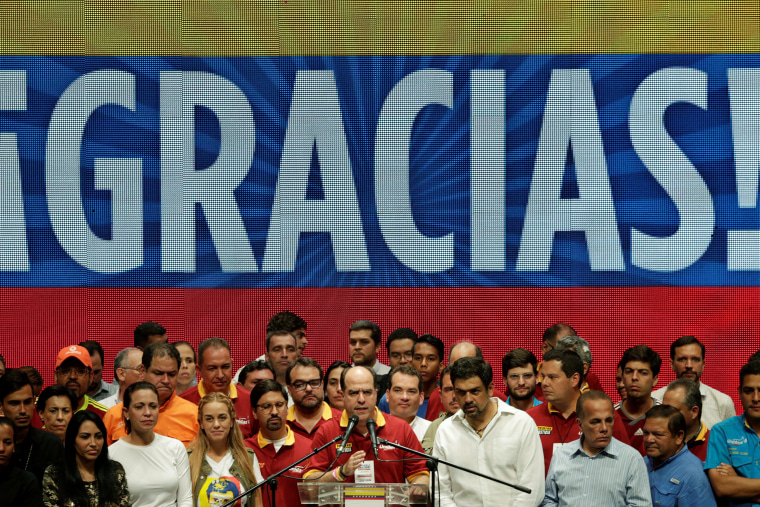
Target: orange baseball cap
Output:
[{"x": 77, "y": 352}]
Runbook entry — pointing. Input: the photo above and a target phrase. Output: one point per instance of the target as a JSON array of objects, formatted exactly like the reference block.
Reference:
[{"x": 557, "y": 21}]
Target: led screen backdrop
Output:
[{"x": 481, "y": 194}]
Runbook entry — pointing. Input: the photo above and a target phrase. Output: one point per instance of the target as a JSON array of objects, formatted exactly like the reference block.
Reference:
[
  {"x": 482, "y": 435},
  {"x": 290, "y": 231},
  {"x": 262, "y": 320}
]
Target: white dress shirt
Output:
[
  {"x": 509, "y": 450},
  {"x": 420, "y": 427}
]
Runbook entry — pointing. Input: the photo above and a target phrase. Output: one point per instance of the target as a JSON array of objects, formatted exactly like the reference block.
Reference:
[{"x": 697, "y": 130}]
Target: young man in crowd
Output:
[
  {"x": 519, "y": 370},
  {"x": 400, "y": 346},
  {"x": 35, "y": 449},
  {"x": 254, "y": 372},
  {"x": 450, "y": 405},
  {"x": 641, "y": 367}
]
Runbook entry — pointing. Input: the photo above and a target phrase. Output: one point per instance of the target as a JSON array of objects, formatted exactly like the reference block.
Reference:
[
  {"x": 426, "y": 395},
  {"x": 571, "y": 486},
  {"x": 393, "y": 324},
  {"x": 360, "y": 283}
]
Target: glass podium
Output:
[{"x": 363, "y": 495}]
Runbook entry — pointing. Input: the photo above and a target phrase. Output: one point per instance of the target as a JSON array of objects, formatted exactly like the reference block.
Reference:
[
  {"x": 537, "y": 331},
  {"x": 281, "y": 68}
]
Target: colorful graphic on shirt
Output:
[{"x": 217, "y": 491}]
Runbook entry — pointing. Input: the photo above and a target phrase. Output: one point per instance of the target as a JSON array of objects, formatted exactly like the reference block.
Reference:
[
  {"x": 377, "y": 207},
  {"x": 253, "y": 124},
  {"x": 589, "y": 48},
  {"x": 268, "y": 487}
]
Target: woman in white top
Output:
[
  {"x": 158, "y": 472},
  {"x": 221, "y": 466}
]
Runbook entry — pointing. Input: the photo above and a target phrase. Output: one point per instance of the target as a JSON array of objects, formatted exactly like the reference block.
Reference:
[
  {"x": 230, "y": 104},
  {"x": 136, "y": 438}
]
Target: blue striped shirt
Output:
[{"x": 614, "y": 477}]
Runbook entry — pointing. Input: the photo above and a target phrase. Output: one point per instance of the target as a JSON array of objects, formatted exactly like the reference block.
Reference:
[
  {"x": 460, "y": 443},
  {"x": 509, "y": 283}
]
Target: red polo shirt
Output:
[
  {"x": 634, "y": 427},
  {"x": 271, "y": 461},
  {"x": 327, "y": 414},
  {"x": 239, "y": 396},
  {"x": 390, "y": 428},
  {"x": 556, "y": 430},
  {"x": 698, "y": 444}
]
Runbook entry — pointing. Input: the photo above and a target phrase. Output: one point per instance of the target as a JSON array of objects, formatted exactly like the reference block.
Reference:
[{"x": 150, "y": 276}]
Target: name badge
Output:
[{"x": 365, "y": 474}]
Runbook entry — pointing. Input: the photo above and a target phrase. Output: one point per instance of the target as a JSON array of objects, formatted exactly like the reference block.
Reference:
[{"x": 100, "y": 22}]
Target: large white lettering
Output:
[
  {"x": 394, "y": 130},
  {"x": 672, "y": 170},
  {"x": 122, "y": 176},
  {"x": 744, "y": 95},
  {"x": 570, "y": 118},
  {"x": 182, "y": 186},
  {"x": 14, "y": 253},
  {"x": 315, "y": 118},
  {"x": 487, "y": 170}
]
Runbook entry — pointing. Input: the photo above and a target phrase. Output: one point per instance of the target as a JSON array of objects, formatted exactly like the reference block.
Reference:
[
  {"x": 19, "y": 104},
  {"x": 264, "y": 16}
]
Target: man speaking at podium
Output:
[{"x": 358, "y": 463}]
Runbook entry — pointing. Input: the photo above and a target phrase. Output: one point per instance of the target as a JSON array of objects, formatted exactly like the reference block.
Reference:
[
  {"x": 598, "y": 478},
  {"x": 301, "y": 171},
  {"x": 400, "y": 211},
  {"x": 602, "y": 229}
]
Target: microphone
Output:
[
  {"x": 352, "y": 422},
  {"x": 372, "y": 428}
]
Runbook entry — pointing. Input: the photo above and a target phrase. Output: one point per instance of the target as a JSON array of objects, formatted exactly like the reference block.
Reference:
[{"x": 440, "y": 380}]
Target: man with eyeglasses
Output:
[
  {"x": 127, "y": 369},
  {"x": 276, "y": 444},
  {"x": 215, "y": 366},
  {"x": 309, "y": 410},
  {"x": 519, "y": 370},
  {"x": 73, "y": 369}
]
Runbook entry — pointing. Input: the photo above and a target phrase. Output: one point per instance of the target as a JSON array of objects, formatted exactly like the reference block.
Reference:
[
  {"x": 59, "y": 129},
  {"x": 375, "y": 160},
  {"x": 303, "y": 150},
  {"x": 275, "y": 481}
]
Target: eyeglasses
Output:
[
  {"x": 399, "y": 355},
  {"x": 268, "y": 406},
  {"x": 130, "y": 367},
  {"x": 300, "y": 385},
  {"x": 526, "y": 376},
  {"x": 79, "y": 372}
]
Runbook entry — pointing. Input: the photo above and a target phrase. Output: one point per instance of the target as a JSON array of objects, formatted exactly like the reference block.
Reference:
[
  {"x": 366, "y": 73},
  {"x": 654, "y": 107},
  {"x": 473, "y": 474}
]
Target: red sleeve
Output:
[
  {"x": 619, "y": 431},
  {"x": 434, "y": 406},
  {"x": 593, "y": 382},
  {"x": 419, "y": 464},
  {"x": 322, "y": 460},
  {"x": 500, "y": 395}
]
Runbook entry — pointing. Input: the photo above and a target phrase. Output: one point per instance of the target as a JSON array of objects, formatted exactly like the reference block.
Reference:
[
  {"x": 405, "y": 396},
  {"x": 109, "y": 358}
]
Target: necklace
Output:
[{"x": 29, "y": 457}]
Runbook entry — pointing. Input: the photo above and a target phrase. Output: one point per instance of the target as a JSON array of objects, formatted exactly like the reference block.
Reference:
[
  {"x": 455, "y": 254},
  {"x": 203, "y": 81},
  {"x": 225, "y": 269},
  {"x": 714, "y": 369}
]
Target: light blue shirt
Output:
[
  {"x": 616, "y": 476},
  {"x": 680, "y": 481},
  {"x": 736, "y": 444}
]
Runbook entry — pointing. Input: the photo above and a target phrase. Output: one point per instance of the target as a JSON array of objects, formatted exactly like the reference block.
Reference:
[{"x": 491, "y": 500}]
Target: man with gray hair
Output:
[
  {"x": 582, "y": 348},
  {"x": 127, "y": 369},
  {"x": 684, "y": 395}
]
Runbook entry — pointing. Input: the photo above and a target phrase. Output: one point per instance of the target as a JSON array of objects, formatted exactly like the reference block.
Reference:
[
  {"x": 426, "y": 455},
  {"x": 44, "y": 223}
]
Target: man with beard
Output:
[
  {"x": 687, "y": 359},
  {"x": 276, "y": 445},
  {"x": 73, "y": 369},
  {"x": 178, "y": 418},
  {"x": 490, "y": 437},
  {"x": 309, "y": 410},
  {"x": 519, "y": 370}
]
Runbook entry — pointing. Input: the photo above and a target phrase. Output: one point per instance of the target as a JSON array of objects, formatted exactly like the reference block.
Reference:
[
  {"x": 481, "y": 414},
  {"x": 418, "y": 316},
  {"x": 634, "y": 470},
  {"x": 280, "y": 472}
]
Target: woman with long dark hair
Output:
[
  {"x": 86, "y": 478},
  {"x": 221, "y": 466},
  {"x": 157, "y": 468}
]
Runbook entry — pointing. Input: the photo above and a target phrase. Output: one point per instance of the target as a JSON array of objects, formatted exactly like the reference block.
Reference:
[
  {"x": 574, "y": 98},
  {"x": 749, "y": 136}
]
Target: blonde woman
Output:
[{"x": 221, "y": 467}]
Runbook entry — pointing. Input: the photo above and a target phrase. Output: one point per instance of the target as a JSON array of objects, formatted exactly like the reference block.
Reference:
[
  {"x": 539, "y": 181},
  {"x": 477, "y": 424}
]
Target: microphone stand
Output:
[
  {"x": 272, "y": 479},
  {"x": 433, "y": 462}
]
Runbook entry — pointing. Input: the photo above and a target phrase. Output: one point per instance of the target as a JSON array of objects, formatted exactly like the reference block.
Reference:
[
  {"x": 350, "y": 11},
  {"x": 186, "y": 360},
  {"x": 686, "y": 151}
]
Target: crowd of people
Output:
[{"x": 179, "y": 428}]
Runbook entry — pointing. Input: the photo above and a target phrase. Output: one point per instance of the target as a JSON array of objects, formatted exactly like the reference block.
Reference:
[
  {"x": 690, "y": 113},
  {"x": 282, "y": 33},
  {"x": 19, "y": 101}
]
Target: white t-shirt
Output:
[{"x": 158, "y": 474}]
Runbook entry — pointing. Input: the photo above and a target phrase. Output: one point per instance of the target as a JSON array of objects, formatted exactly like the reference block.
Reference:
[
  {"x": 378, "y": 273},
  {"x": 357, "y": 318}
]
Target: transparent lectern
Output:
[{"x": 363, "y": 495}]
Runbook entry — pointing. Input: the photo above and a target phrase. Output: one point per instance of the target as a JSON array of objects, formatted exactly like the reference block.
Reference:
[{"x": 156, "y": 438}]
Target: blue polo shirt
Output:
[
  {"x": 733, "y": 442},
  {"x": 680, "y": 481},
  {"x": 536, "y": 401}
]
